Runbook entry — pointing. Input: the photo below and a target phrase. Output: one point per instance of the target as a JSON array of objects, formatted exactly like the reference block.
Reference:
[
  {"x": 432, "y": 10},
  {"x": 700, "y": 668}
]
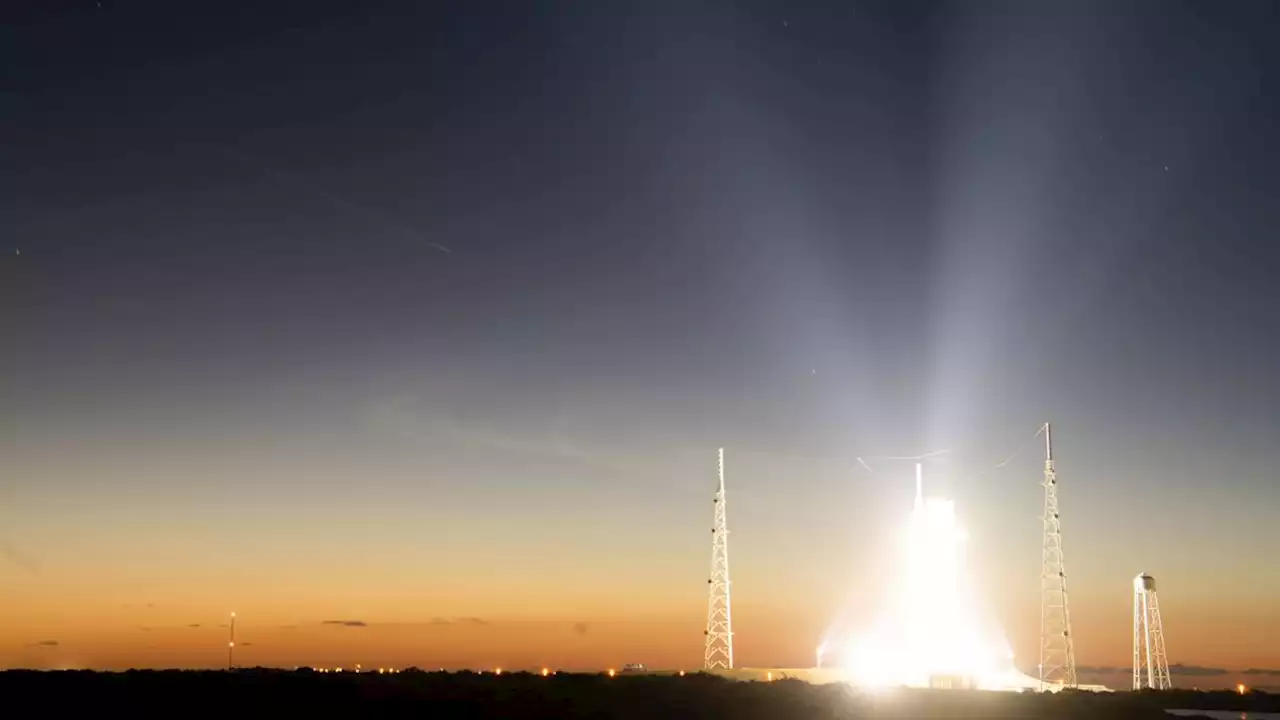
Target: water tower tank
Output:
[{"x": 1144, "y": 582}]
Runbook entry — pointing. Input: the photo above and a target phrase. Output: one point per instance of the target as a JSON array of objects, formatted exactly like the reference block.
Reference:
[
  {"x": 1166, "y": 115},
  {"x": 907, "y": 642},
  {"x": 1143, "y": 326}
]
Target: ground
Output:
[{"x": 261, "y": 693}]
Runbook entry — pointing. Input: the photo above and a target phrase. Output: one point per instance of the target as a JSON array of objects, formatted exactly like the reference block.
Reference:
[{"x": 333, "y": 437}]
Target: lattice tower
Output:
[
  {"x": 1057, "y": 652},
  {"x": 718, "y": 653}
]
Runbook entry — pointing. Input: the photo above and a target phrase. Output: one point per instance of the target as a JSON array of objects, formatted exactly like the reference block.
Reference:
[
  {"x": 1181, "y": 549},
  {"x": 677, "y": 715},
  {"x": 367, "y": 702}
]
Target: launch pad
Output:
[
  {"x": 827, "y": 676},
  {"x": 929, "y": 632}
]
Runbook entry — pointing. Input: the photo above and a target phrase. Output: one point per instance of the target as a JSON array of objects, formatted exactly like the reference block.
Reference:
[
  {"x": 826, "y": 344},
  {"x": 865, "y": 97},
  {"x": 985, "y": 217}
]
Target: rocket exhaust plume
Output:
[{"x": 930, "y": 633}]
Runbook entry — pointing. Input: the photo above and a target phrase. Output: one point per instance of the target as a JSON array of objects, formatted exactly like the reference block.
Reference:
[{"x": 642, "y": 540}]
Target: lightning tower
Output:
[
  {"x": 718, "y": 654},
  {"x": 1057, "y": 655},
  {"x": 1150, "y": 665}
]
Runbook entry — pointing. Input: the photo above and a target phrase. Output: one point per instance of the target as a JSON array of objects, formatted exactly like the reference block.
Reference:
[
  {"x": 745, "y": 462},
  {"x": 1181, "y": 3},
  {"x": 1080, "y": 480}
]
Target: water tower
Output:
[{"x": 1150, "y": 664}]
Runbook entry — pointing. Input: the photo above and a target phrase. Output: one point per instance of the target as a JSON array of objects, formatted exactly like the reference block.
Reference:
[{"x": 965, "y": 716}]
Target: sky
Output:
[{"x": 409, "y": 331}]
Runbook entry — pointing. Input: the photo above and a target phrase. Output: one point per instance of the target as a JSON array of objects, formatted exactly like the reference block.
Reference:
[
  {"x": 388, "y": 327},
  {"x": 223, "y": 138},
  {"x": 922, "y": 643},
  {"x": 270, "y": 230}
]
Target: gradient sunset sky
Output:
[{"x": 408, "y": 331}]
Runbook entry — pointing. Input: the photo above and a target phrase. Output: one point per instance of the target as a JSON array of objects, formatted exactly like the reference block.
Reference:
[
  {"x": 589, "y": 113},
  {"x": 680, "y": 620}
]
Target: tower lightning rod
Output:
[{"x": 231, "y": 645}]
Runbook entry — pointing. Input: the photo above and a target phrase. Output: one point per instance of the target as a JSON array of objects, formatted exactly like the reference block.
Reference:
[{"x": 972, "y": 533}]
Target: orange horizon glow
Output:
[
  {"x": 590, "y": 591},
  {"x": 512, "y": 645}
]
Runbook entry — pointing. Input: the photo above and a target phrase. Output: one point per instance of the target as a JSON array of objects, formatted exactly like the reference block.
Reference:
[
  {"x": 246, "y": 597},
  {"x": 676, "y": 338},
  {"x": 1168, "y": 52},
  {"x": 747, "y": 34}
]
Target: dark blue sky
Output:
[{"x": 455, "y": 249}]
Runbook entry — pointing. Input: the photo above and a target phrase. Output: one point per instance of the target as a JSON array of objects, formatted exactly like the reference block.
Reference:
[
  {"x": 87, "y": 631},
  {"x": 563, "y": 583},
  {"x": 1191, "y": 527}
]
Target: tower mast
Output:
[
  {"x": 718, "y": 653},
  {"x": 1057, "y": 653}
]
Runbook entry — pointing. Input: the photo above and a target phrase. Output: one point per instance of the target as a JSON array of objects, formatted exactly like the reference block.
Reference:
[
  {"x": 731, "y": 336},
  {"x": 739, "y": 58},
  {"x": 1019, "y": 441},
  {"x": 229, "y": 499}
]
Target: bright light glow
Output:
[
  {"x": 1240, "y": 688},
  {"x": 545, "y": 672},
  {"x": 498, "y": 671},
  {"x": 610, "y": 672},
  {"x": 929, "y": 633},
  {"x": 681, "y": 673}
]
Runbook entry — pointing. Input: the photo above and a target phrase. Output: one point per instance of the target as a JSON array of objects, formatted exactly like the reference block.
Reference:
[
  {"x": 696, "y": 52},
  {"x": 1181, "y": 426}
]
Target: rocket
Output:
[{"x": 919, "y": 485}]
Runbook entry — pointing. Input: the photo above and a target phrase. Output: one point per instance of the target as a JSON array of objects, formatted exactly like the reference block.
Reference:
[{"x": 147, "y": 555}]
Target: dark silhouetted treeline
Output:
[{"x": 303, "y": 694}]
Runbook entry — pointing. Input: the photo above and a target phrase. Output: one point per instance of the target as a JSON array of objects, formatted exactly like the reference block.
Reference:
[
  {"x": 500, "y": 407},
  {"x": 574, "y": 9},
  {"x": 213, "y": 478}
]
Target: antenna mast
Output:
[
  {"x": 231, "y": 645},
  {"x": 718, "y": 653},
  {"x": 1057, "y": 654}
]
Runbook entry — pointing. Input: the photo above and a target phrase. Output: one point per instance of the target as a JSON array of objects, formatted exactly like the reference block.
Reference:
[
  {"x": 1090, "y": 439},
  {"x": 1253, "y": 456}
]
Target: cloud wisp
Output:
[
  {"x": 376, "y": 218},
  {"x": 1196, "y": 670},
  {"x": 458, "y": 621},
  {"x": 346, "y": 623},
  {"x": 18, "y": 558},
  {"x": 401, "y": 415},
  {"x": 1175, "y": 669}
]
